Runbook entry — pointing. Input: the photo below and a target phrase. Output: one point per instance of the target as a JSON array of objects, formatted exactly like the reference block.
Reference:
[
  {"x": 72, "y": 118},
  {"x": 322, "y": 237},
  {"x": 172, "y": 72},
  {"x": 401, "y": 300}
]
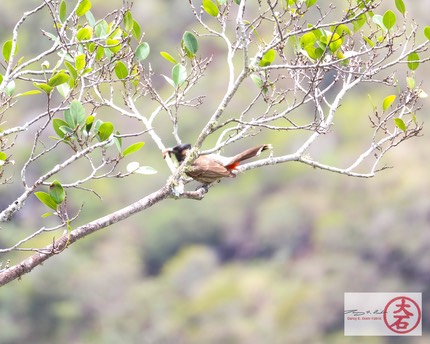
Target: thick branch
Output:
[{"x": 14, "y": 272}]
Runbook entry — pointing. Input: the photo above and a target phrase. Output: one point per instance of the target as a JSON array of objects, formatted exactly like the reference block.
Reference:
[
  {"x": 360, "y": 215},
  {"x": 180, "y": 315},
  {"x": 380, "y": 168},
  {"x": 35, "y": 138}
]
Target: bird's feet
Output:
[{"x": 205, "y": 187}]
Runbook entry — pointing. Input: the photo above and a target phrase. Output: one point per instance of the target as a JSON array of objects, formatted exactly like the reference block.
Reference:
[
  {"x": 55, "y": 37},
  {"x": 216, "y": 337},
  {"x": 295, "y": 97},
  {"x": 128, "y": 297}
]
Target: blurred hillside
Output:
[{"x": 264, "y": 258}]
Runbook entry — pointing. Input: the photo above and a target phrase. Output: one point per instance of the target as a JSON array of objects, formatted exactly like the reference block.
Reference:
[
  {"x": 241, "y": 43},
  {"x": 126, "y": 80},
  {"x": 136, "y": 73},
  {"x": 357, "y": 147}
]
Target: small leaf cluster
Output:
[
  {"x": 322, "y": 44},
  {"x": 76, "y": 126},
  {"x": 318, "y": 43},
  {"x": 87, "y": 57},
  {"x": 54, "y": 198},
  {"x": 179, "y": 72},
  {"x": 98, "y": 42}
]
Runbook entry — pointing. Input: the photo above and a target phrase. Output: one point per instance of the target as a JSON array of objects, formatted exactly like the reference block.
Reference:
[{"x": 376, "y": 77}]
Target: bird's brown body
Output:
[{"x": 210, "y": 168}]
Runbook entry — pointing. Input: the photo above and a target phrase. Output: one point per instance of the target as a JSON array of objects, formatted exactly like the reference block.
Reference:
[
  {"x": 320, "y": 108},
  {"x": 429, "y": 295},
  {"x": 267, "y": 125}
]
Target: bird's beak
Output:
[{"x": 168, "y": 151}]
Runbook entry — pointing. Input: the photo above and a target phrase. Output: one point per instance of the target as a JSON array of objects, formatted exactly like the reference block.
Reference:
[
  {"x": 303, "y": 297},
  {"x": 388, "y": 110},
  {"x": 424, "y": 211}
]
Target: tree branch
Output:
[{"x": 17, "y": 271}]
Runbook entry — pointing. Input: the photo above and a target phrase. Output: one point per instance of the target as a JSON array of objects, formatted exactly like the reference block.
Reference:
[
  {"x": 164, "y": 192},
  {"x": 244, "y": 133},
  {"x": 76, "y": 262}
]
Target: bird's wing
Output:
[{"x": 208, "y": 168}]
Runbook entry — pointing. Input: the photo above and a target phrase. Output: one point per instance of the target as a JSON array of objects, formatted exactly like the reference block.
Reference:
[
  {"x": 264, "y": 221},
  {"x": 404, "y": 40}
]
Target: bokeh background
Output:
[{"x": 264, "y": 258}]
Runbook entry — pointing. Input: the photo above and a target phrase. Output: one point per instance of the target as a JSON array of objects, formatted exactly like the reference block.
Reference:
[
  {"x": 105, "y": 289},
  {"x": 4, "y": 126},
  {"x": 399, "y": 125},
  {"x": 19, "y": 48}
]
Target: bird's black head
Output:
[{"x": 180, "y": 151}]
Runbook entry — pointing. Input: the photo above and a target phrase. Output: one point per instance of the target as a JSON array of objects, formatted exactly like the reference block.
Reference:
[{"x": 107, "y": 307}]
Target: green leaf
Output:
[
  {"x": 400, "y": 124},
  {"x": 134, "y": 167},
  {"x": 68, "y": 131},
  {"x": 69, "y": 119},
  {"x": 359, "y": 22},
  {"x": 379, "y": 20},
  {"x": 7, "y": 50},
  {"x": 86, "y": 71},
  {"x": 72, "y": 71},
  {"x": 400, "y": 6},
  {"x": 135, "y": 75},
  {"x": 99, "y": 53},
  {"x": 319, "y": 52},
  {"x": 295, "y": 43},
  {"x": 58, "y": 79},
  {"x": 10, "y": 88},
  {"x": 363, "y": 3},
  {"x": 102, "y": 29},
  {"x": 168, "y": 57},
  {"x": 427, "y": 32},
  {"x": 128, "y": 21},
  {"x": 342, "y": 30},
  {"x": 121, "y": 70},
  {"x": 388, "y": 101},
  {"x": 190, "y": 43},
  {"x": 45, "y": 215},
  {"x": 410, "y": 82},
  {"x": 322, "y": 37},
  {"x": 105, "y": 131},
  {"x": 3, "y": 156},
  {"x": 118, "y": 141},
  {"x": 113, "y": 45},
  {"x": 77, "y": 113},
  {"x": 69, "y": 228},
  {"x": 46, "y": 199},
  {"x": 372, "y": 103},
  {"x": 136, "y": 30},
  {"x": 179, "y": 74},
  {"x": 310, "y": 3},
  {"x": 146, "y": 170},
  {"x": 257, "y": 80},
  {"x": 89, "y": 123},
  {"x": 56, "y": 191},
  {"x": 413, "y": 61},
  {"x": 44, "y": 87},
  {"x": 142, "y": 51},
  {"x": 90, "y": 19},
  {"x": 83, "y": 8},
  {"x": 53, "y": 38},
  {"x": 64, "y": 90},
  {"x": 1, "y": 79},
  {"x": 28, "y": 93},
  {"x": 369, "y": 41},
  {"x": 117, "y": 34},
  {"x": 268, "y": 58},
  {"x": 80, "y": 62},
  {"x": 311, "y": 52},
  {"x": 57, "y": 124},
  {"x": 97, "y": 125},
  {"x": 308, "y": 39},
  {"x": 170, "y": 81},
  {"x": 63, "y": 10},
  {"x": 84, "y": 34},
  {"x": 335, "y": 42},
  {"x": 210, "y": 8},
  {"x": 389, "y": 19},
  {"x": 133, "y": 148}
]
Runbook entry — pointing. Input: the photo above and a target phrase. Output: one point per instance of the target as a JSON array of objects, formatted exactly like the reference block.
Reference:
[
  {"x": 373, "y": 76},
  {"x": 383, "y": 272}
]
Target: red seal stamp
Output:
[{"x": 402, "y": 315}]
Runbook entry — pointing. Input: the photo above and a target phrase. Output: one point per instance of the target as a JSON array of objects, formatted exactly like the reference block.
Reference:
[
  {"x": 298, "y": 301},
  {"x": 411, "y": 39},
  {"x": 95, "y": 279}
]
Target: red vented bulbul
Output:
[{"x": 211, "y": 167}]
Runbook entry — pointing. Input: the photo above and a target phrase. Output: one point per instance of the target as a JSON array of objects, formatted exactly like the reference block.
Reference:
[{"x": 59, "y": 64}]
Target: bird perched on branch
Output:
[{"x": 210, "y": 168}]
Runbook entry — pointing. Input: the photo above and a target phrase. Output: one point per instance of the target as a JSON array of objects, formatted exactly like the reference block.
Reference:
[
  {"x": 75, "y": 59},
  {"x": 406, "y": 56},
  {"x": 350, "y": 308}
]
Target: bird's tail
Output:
[{"x": 247, "y": 154}]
